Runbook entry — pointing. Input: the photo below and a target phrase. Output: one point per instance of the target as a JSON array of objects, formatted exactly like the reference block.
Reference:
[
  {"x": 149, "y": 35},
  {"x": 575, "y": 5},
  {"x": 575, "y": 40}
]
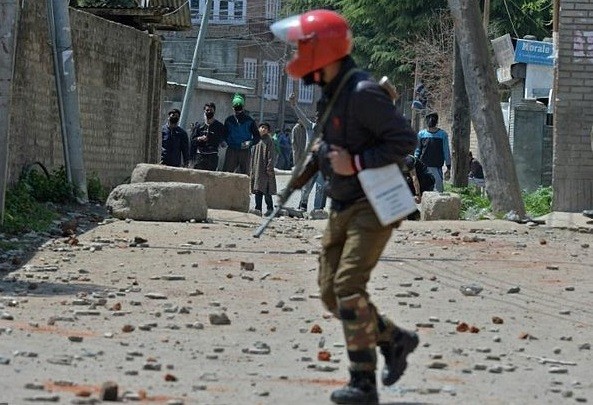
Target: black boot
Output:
[
  {"x": 362, "y": 389},
  {"x": 403, "y": 343}
]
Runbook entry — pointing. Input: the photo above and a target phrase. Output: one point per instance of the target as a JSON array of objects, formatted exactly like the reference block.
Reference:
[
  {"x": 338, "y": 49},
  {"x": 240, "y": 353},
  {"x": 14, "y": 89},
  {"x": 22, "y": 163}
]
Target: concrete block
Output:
[
  {"x": 224, "y": 191},
  {"x": 170, "y": 201},
  {"x": 440, "y": 206}
]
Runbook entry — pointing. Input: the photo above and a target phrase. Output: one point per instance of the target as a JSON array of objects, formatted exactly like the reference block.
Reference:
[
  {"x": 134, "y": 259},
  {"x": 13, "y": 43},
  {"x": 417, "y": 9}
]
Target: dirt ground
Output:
[{"x": 203, "y": 313}]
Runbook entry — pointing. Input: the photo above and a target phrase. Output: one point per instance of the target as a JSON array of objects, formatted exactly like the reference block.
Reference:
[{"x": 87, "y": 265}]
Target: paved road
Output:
[{"x": 141, "y": 303}]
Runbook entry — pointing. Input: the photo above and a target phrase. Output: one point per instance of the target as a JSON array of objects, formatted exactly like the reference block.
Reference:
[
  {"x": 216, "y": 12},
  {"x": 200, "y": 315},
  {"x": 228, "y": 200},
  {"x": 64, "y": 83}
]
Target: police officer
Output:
[{"x": 361, "y": 129}]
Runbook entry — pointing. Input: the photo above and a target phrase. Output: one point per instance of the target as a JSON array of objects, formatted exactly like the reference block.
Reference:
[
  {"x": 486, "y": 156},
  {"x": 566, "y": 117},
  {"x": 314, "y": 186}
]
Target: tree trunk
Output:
[
  {"x": 502, "y": 185},
  {"x": 461, "y": 129}
]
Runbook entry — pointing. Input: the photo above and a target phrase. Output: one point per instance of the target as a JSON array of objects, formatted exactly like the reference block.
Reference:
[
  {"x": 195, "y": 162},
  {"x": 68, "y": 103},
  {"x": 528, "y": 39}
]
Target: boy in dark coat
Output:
[{"x": 263, "y": 178}]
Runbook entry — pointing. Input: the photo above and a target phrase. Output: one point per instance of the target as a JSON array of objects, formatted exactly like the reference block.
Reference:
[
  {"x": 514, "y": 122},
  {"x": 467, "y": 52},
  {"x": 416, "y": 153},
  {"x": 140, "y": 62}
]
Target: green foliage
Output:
[
  {"x": 53, "y": 188},
  {"x": 520, "y": 18},
  {"x": 27, "y": 207},
  {"x": 385, "y": 31},
  {"x": 475, "y": 206},
  {"x": 539, "y": 202},
  {"x": 23, "y": 212},
  {"x": 96, "y": 191}
]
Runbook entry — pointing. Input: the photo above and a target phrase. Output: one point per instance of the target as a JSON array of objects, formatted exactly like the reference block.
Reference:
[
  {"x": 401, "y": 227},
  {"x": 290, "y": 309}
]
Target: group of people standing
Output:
[{"x": 251, "y": 149}]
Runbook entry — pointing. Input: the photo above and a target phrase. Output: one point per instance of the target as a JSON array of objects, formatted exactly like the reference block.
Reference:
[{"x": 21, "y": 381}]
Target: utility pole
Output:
[
  {"x": 281, "y": 97},
  {"x": 263, "y": 91},
  {"x": 193, "y": 73},
  {"x": 502, "y": 184},
  {"x": 68, "y": 95},
  {"x": 9, "y": 16},
  {"x": 486, "y": 17}
]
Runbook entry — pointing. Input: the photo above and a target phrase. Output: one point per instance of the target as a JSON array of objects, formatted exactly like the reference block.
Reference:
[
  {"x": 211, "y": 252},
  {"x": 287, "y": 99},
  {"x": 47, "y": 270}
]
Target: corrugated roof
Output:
[
  {"x": 179, "y": 16},
  {"x": 208, "y": 83},
  {"x": 172, "y": 15}
]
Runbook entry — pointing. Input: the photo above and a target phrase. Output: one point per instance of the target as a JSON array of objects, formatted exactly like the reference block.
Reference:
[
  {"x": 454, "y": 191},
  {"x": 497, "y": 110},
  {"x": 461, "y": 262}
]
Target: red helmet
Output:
[{"x": 321, "y": 37}]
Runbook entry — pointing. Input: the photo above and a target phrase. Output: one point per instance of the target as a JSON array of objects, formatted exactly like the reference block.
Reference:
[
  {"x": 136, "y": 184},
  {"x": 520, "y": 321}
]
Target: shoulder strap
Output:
[{"x": 332, "y": 101}]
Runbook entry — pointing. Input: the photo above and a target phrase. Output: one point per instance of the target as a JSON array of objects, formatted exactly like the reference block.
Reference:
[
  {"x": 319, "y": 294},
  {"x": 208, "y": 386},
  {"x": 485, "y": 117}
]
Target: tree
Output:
[
  {"x": 481, "y": 85},
  {"x": 381, "y": 27}
]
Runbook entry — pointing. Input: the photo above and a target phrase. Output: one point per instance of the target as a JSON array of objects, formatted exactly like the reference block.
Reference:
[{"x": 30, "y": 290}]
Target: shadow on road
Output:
[{"x": 17, "y": 251}]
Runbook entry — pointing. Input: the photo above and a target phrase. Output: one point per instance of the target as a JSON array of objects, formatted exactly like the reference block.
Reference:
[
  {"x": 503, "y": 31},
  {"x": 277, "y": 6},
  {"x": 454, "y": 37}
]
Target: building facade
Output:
[{"x": 239, "y": 48}]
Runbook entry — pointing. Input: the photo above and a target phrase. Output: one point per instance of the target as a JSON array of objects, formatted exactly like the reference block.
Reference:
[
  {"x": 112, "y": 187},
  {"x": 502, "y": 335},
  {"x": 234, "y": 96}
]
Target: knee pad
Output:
[{"x": 360, "y": 330}]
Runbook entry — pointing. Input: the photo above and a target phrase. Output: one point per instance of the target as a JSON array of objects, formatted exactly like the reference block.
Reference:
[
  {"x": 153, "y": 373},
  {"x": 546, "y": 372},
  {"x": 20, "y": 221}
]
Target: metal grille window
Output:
[
  {"x": 249, "y": 68},
  {"x": 272, "y": 9},
  {"x": 222, "y": 11},
  {"x": 305, "y": 93},
  {"x": 289, "y": 88},
  {"x": 271, "y": 78}
]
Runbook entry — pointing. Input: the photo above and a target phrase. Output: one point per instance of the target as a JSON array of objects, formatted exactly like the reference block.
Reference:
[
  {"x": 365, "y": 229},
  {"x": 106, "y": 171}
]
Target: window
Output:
[
  {"x": 305, "y": 93},
  {"x": 249, "y": 68},
  {"x": 221, "y": 11},
  {"x": 271, "y": 78},
  {"x": 289, "y": 87},
  {"x": 272, "y": 9}
]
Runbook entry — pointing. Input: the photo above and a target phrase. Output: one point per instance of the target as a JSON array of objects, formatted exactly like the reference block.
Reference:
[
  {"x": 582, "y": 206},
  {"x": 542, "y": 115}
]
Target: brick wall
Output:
[
  {"x": 573, "y": 115},
  {"x": 120, "y": 79}
]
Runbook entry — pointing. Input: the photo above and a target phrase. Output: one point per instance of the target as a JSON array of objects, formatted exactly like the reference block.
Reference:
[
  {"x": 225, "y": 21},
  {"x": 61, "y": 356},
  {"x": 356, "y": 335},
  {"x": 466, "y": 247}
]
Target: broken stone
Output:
[
  {"x": 247, "y": 266},
  {"x": 470, "y": 290},
  {"x": 258, "y": 348},
  {"x": 219, "y": 319},
  {"x": 155, "y": 296}
]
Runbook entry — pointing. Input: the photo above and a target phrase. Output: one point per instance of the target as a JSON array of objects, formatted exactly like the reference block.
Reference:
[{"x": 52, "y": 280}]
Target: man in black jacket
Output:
[
  {"x": 175, "y": 143},
  {"x": 205, "y": 139},
  {"x": 361, "y": 129}
]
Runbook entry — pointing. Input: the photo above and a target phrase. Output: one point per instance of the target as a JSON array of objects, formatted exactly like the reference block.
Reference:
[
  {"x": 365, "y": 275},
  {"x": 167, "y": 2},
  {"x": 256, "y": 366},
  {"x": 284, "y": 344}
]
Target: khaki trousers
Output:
[{"x": 351, "y": 247}]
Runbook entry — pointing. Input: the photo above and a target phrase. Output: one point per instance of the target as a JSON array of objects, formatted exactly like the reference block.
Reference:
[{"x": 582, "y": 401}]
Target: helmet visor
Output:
[{"x": 289, "y": 29}]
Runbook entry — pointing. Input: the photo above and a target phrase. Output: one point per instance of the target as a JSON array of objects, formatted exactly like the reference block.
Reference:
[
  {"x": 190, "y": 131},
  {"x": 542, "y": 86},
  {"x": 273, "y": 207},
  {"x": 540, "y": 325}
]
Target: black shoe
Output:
[
  {"x": 268, "y": 213},
  {"x": 403, "y": 343},
  {"x": 362, "y": 389},
  {"x": 303, "y": 207}
]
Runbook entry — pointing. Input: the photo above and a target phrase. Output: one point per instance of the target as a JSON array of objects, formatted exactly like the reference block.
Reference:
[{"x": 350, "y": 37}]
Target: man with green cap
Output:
[{"x": 241, "y": 135}]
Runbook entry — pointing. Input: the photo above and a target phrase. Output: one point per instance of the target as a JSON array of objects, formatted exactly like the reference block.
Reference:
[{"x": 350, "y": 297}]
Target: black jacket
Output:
[
  {"x": 365, "y": 122},
  {"x": 215, "y": 133},
  {"x": 174, "y": 147}
]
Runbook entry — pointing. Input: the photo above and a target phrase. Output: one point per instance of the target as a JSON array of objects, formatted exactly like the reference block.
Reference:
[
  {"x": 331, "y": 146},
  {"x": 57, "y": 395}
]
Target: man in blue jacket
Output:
[
  {"x": 433, "y": 150},
  {"x": 241, "y": 135}
]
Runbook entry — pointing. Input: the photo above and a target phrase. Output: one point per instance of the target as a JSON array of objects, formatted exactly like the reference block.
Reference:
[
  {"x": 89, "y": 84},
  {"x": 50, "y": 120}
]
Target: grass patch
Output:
[
  {"x": 538, "y": 202},
  {"x": 23, "y": 213},
  {"x": 96, "y": 191},
  {"x": 475, "y": 206},
  {"x": 33, "y": 203}
]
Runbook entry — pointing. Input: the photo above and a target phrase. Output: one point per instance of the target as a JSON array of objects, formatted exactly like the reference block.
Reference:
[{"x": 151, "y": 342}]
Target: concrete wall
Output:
[
  {"x": 120, "y": 79},
  {"x": 529, "y": 151},
  {"x": 573, "y": 114}
]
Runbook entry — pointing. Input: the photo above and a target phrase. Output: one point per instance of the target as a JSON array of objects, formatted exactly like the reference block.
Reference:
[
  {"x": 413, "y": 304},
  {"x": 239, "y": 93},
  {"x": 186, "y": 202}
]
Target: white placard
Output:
[{"x": 388, "y": 193}]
